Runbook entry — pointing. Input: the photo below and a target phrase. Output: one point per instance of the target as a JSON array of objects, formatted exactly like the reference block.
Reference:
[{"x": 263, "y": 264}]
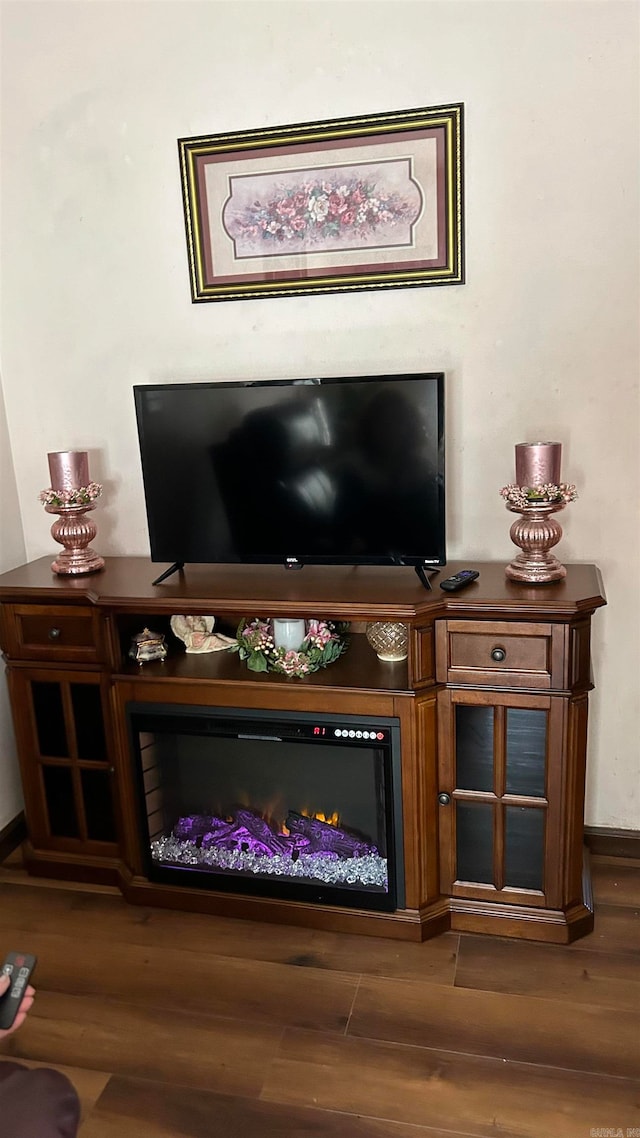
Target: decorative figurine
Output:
[{"x": 197, "y": 634}]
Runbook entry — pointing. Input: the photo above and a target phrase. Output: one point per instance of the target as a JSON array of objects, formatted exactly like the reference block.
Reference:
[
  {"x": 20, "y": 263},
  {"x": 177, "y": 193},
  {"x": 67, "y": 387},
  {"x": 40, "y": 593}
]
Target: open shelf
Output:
[{"x": 359, "y": 668}]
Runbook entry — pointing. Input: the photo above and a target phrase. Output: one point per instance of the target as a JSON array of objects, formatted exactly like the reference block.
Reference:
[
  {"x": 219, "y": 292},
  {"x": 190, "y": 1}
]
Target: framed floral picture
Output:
[{"x": 343, "y": 205}]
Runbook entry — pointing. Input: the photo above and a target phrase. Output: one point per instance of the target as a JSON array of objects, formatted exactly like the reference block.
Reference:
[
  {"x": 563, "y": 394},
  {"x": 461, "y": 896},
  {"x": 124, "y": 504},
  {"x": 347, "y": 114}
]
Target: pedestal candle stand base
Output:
[
  {"x": 536, "y": 532},
  {"x": 74, "y": 531}
]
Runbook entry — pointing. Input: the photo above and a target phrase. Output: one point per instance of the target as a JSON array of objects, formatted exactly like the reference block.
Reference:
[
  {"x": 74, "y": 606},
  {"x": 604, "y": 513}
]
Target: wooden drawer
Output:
[
  {"x": 499, "y": 654},
  {"x": 53, "y": 632}
]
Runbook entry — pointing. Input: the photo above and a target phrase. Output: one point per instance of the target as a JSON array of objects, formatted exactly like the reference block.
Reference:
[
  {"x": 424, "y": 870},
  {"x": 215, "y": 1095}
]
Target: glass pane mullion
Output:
[
  {"x": 499, "y": 752},
  {"x": 70, "y": 725},
  {"x": 72, "y": 745},
  {"x": 499, "y": 784},
  {"x": 498, "y": 845},
  {"x": 79, "y": 797},
  {"x": 69, "y": 720}
]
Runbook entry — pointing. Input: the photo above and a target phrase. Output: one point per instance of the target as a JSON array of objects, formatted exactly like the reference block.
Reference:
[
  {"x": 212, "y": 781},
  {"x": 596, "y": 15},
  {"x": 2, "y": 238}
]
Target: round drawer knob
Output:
[
  {"x": 498, "y": 654},
  {"x": 54, "y": 634},
  {"x": 444, "y": 799}
]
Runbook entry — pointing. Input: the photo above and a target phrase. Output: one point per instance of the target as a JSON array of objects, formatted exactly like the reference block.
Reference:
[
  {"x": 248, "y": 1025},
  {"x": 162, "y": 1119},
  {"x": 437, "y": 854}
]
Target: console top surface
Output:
[{"x": 349, "y": 592}]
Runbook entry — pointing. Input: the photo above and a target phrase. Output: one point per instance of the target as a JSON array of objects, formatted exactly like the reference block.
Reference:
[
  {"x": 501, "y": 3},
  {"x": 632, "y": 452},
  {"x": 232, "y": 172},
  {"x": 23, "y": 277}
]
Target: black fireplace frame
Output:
[{"x": 150, "y": 716}]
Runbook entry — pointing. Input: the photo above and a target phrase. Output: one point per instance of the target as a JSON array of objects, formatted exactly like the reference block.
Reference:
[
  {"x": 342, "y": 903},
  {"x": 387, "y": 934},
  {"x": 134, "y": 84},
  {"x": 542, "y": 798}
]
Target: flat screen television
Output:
[{"x": 313, "y": 471}]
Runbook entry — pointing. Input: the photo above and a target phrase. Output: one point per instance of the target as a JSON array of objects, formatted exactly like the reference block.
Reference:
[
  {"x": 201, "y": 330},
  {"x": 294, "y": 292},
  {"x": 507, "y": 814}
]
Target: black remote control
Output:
[
  {"x": 459, "y": 580},
  {"x": 19, "y": 967}
]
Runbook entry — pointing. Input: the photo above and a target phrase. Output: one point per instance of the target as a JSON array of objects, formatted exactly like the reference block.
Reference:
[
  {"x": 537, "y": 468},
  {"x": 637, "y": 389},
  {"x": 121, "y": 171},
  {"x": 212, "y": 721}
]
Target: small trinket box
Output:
[{"x": 147, "y": 646}]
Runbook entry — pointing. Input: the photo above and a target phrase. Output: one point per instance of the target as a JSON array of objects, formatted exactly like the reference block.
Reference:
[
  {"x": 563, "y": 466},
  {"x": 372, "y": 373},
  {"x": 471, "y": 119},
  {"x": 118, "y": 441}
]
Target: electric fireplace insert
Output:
[{"x": 296, "y": 806}]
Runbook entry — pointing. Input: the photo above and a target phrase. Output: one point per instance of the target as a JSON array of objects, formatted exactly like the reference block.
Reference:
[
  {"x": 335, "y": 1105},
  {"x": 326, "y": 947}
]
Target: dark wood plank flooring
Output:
[{"x": 175, "y": 1025}]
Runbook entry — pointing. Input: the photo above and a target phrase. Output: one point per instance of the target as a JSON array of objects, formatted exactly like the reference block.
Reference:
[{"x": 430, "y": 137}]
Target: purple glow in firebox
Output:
[
  {"x": 250, "y": 833},
  {"x": 312, "y": 850}
]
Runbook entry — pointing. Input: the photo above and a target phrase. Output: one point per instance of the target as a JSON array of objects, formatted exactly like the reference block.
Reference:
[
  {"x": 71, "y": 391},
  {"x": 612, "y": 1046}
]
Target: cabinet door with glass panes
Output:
[
  {"x": 500, "y": 796},
  {"x": 61, "y": 724}
]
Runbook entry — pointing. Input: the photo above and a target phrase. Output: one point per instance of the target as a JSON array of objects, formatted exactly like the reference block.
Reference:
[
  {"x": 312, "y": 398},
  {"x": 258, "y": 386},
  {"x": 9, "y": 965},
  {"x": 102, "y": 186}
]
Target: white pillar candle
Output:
[
  {"x": 288, "y": 634},
  {"x": 68, "y": 469},
  {"x": 538, "y": 464}
]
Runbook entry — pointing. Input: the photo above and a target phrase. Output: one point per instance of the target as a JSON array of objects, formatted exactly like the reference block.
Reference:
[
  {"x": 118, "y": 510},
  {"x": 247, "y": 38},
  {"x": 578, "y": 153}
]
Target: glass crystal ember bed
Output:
[{"x": 308, "y": 848}]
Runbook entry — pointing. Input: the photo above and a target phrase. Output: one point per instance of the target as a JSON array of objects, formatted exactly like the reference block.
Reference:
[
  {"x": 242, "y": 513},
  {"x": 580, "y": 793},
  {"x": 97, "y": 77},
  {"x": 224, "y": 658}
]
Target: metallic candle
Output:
[
  {"x": 538, "y": 464},
  {"x": 69, "y": 469}
]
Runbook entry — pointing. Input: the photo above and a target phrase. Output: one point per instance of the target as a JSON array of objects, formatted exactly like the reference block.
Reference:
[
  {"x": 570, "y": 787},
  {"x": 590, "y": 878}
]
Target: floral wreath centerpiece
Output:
[{"x": 323, "y": 643}]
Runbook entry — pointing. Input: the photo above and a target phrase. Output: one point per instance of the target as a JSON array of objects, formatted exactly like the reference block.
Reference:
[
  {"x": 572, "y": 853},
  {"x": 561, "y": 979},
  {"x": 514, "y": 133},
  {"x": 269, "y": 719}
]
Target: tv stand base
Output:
[
  {"x": 422, "y": 574},
  {"x": 177, "y": 567},
  {"x": 442, "y": 915}
]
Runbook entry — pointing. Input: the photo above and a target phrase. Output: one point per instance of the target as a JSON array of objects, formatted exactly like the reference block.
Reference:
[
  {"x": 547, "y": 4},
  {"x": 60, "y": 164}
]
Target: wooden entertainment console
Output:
[{"x": 492, "y": 706}]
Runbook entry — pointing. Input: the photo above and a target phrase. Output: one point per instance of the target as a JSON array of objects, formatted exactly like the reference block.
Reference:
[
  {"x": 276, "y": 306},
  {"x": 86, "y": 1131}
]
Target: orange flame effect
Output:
[
  {"x": 271, "y": 811},
  {"x": 330, "y": 819}
]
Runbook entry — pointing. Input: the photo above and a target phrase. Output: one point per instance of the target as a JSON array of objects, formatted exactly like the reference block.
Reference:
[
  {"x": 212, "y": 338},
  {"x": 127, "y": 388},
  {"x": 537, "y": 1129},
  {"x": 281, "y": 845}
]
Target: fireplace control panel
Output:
[
  {"x": 350, "y": 733},
  {"x": 234, "y": 724},
  {"x": 328, "y": 731}
]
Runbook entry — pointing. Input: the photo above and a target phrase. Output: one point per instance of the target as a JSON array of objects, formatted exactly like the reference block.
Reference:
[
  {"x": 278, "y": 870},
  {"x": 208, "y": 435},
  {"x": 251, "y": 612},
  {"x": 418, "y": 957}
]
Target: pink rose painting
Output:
[
  {"x": 374, "y": 201},
  {"x": 371, "y": 205}
]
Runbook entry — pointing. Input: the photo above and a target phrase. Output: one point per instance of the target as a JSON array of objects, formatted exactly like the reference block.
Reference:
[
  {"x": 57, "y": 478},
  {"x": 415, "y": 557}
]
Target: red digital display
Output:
[{"x": 319, "y": 731}]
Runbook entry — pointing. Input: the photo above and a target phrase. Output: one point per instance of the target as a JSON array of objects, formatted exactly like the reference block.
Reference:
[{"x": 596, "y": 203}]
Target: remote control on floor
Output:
[
  {"x": 459, "y": 580},
  {"x": 19, "y": 967}
]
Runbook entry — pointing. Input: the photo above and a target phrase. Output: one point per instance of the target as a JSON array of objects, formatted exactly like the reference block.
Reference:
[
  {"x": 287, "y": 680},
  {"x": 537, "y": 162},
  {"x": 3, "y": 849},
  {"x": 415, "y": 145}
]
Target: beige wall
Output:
[
  {"x": 11, "y": 553},
  {"x": 541, "y": 342}
]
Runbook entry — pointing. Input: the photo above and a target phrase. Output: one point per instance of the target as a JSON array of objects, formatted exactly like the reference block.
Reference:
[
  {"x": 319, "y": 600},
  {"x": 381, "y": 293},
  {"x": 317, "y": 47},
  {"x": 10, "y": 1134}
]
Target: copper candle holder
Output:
[
  {"x": 536, "y": 532},
  {"x": 74, "y": 530}
]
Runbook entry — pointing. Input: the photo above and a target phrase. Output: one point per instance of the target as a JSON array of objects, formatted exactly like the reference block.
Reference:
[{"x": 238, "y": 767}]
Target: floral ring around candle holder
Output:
[
  {"x": 74, "y": 531},
  {"x": 323, "y": 643},
  {"x": 536, "y": 532}
]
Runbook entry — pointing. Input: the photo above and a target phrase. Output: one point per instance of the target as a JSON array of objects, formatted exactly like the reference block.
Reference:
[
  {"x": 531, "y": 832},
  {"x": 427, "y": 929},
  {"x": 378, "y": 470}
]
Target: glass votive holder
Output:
[{"x": 389, "y": 639}]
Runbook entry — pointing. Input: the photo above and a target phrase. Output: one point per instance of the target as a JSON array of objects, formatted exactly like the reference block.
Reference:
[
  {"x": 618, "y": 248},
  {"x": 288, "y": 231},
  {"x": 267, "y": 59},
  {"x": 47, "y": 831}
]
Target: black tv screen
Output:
[{"x": 316, "y": 471}]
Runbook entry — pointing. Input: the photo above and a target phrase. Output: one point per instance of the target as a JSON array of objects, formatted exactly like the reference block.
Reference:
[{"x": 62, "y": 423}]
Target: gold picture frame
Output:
[{"x": 338, "y": 206}]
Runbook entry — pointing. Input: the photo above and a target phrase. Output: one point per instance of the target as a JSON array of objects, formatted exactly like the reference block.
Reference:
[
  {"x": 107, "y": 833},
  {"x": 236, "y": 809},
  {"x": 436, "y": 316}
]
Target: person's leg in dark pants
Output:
[{"x": 36, "y": 1103}]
